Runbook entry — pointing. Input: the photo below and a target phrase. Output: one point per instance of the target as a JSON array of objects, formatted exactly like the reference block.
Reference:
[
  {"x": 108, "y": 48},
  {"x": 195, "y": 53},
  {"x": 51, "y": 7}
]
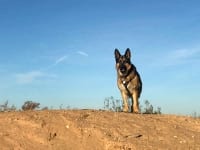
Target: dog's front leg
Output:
[
  {"x": 125, "y": 102},
  {"x": 135, "y": 101}
]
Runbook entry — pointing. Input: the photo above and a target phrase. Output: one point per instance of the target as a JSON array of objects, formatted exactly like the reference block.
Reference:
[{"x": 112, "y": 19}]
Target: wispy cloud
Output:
[
  {"x": 30, "y": 77},
  {"x": 82, "y": 53},
  {"x": 176, "y": 57},
  {"x": 56, "y": 62},
  {"x": 61, "y": 59},
  {"x": 183, "y": 54}
]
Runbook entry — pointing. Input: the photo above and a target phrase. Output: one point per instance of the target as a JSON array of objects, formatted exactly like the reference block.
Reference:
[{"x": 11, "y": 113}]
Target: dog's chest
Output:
[{"x": 124, "y": 85}]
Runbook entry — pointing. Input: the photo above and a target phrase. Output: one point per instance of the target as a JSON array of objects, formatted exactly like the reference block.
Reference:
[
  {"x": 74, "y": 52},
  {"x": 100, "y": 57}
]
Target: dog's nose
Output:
[{"x": 122, "y": 69}]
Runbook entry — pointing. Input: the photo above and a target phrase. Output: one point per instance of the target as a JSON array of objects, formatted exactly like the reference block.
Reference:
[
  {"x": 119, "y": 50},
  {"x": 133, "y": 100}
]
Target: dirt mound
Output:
[{"x": 96, "y": 130}]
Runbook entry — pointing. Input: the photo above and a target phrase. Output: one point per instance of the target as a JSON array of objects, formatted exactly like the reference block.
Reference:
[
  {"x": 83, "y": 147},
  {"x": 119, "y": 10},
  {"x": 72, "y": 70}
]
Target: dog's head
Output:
[{"x": 123, "y": 62}]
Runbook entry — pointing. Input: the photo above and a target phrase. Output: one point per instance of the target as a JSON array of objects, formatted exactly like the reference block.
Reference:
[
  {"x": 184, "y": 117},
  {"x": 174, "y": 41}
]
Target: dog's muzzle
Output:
[{"x": 122, "y": 69}]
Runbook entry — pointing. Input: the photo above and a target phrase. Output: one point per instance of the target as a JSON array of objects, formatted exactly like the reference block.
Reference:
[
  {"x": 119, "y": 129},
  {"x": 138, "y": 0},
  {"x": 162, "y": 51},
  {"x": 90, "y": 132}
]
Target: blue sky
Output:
[{"x": 62, "y": 51}]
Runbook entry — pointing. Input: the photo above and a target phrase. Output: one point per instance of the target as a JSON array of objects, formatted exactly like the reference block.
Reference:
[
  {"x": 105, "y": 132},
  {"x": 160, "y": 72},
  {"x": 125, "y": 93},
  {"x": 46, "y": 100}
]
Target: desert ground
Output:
[{"x": 96, "y": 130}]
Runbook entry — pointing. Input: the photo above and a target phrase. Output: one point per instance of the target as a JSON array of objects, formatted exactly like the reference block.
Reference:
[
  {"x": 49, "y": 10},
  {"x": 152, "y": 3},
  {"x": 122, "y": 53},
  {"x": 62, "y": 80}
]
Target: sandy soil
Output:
[{"x": 96, "y": 130}]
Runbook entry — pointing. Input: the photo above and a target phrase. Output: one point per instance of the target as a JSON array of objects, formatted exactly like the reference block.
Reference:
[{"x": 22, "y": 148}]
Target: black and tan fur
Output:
[{"x": 128, "y": 80}]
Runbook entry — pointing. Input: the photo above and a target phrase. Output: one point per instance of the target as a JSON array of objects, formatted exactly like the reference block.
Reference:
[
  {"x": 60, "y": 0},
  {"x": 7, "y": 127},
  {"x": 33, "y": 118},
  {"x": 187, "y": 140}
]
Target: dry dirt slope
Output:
[{"x": 96, "y": 130}]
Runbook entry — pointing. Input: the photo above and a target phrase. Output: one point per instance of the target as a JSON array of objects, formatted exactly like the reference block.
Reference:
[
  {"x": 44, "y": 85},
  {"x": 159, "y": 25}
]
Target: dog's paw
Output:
[
  {"x": 136, "y": 111},
  {"x": 125, "y": 109}
]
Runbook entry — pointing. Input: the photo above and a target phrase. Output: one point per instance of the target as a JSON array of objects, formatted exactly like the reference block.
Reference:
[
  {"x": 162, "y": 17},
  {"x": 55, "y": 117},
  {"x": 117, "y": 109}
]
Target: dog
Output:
[{"x": 128, "y": 80}]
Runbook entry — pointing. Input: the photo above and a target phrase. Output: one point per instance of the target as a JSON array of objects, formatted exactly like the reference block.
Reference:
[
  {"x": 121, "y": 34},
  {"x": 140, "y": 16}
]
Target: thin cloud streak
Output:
[
  {"x": 82, "y": 53},
  {"x": 176, "y": 57},
  {"x": 183, "y": 54},
  {"x": 61, "y": 59},
  {"x": 56, "y": 62},
  {"x": 30, "y": 77}
]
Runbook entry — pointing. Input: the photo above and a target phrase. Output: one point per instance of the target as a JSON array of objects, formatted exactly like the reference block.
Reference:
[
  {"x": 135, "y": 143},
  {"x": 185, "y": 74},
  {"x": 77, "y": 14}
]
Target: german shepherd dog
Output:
[{"x": 128, "y": 80}]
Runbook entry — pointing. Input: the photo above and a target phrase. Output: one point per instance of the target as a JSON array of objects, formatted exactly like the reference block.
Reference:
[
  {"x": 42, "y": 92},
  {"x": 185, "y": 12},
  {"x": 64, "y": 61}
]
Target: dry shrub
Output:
[{"x": 30, "y": 105}]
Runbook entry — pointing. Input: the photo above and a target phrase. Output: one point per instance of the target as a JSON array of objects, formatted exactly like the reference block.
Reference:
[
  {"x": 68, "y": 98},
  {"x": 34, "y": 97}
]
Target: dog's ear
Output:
[
  {"x": 128, "y": 53},
  {"x": 117, "y": 55}
]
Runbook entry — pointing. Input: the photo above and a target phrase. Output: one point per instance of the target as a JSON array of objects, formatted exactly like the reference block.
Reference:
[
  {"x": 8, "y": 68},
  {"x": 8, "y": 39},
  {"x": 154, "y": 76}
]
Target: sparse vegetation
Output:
[
  {"x": 30, "y": 105},
  {"x": 115, "y": 105},
  {"x": 195, "y": 115},
  {"x": 45, "y": 108},
  {"x": 112, "y": 104},
  {"x": 5, "y": 107},
  {"x": 149, "y": 109}
]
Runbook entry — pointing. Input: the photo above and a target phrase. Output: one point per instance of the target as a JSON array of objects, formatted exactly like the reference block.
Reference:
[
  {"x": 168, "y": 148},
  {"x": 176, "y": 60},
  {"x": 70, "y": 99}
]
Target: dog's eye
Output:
[{"x": 126, "y": 61}]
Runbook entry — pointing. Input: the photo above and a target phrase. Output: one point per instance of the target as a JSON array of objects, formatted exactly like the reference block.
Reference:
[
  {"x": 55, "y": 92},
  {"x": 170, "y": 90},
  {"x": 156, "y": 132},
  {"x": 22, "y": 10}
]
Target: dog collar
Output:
[
  {"x": 126, "y": 86},
  {"x": 124, "y": 82}
]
